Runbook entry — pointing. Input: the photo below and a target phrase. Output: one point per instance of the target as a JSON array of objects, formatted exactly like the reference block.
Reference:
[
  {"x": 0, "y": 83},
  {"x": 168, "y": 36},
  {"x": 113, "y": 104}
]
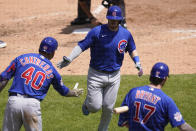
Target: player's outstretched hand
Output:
[
  {"x": 75, "y": 92},
  {"x": 65, "y": 62},
  {"x": 78, "y": 92}
]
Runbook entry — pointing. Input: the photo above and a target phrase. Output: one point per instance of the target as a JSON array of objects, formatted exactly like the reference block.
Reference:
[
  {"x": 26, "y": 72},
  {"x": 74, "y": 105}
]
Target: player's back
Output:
[
  {"x": 33, "y": 75},
  {"x": 150, "y": 109}
]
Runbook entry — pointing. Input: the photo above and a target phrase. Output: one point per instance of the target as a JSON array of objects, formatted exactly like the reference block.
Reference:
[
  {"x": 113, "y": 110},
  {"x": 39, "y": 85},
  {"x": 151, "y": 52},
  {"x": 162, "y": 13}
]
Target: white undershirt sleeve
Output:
[{"x": 75, "y": 53}]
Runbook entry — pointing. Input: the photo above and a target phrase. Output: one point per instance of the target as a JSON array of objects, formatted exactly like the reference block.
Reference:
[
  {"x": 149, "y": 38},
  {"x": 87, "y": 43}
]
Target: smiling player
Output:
[{"x": 108, "y": 44}]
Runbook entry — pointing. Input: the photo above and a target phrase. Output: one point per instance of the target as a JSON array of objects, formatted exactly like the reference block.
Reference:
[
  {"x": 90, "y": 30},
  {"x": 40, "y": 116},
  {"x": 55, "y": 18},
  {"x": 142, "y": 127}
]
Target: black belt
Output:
[
  {"x": 16, "y": 94},
  {"x": 106, "y": 72}
]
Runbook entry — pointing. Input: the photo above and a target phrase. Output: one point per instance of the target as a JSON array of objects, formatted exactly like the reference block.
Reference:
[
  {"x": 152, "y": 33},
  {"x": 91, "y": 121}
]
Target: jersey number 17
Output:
[{"x": 151, "y": 110}]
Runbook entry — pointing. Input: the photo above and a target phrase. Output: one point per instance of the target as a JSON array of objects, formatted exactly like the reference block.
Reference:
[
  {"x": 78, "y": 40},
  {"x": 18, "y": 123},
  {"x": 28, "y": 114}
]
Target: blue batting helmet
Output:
[
  {"x": 48, "y": 45},
  {"x": 160, "y": 70},
  {"x": 114, "y": 13}
]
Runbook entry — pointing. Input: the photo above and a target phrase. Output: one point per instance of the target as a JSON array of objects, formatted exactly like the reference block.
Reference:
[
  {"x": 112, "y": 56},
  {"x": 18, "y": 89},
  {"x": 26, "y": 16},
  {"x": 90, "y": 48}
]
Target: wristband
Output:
[
  {"x": 66, "y": 59},
  {"x": 136, "y": 59}
]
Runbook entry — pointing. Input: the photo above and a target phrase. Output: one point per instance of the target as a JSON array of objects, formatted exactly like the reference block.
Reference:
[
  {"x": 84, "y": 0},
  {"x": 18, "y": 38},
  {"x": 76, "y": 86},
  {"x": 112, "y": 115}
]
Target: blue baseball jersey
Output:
[
  {"x": 150, "y": 109},
  {"x": 33, "y": 74},
  {"x": 107, "y": 47}
]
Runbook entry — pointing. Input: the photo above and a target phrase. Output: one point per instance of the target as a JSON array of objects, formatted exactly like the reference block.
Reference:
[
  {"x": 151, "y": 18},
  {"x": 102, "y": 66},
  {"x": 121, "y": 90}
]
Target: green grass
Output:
[{"x": 64, "y": 114}]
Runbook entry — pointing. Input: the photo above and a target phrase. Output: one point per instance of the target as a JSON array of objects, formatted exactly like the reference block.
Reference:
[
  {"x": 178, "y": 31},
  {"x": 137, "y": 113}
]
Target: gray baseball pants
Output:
[
  {"x": 21, "y": 110},
  {"x": 102, "y": 93}
]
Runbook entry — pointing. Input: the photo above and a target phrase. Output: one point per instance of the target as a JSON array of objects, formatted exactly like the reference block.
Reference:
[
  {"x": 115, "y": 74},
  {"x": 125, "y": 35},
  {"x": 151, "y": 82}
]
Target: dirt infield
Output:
[{"x": 163, "y": 31}]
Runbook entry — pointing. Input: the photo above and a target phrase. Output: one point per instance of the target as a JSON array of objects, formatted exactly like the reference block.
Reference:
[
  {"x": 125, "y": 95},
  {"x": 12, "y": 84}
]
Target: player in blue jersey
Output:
[
  {"x": 33, "y": 74},
  {"x": 108, "y": 44},
  {"x": 150, "y": 109},
  {"x": 85, "y": 16}
]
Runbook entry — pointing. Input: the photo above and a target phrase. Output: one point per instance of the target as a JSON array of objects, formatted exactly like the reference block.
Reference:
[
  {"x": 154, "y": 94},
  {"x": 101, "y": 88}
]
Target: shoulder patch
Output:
[{"x": 178, "y": 116}]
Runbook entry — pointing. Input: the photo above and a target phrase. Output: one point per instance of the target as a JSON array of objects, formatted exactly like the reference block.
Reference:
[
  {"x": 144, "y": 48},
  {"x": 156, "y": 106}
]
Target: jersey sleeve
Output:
[
  {"x": 9, "y": 72},
  {"x": 86, "y": 43},
  {"x": 124, "y": 117},
  {"x": 131, "y": 44},
  {"x": 58, "y": 84},
  {"x": 174, "y": 114}
]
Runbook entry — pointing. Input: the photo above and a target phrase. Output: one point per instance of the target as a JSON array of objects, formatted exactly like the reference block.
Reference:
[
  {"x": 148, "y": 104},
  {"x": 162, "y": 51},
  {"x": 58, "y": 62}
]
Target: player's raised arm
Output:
[{"x": 67, "y": 60}]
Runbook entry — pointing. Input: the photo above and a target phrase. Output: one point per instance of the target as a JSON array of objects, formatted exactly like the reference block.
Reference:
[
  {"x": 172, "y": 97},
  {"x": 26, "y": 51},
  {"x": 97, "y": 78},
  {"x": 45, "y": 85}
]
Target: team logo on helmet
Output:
[
  {"x": 122, "y": 46},
  {"x": 157, "y": 73},
  {"x": 114, "y": 13},
  {"x": 45, "y": 47}
]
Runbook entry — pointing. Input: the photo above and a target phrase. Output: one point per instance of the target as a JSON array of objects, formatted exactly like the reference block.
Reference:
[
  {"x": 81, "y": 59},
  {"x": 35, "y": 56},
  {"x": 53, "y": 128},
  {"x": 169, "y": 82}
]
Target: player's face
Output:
[{"x": 113, "y": 25}]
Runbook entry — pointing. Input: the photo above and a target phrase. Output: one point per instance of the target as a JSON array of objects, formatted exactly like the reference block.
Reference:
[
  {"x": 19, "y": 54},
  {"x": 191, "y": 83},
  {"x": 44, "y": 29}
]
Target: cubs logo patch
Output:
[
  {"x": 114, "y": 13},
  {"x": 45, "y": 47},
  {"x": 122, "y": 46},
  {"x": 157, "y": 74}
]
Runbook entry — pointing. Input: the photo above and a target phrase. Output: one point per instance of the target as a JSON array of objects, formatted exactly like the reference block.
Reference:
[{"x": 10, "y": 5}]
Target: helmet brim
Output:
[{"x": 114, "y": 18}]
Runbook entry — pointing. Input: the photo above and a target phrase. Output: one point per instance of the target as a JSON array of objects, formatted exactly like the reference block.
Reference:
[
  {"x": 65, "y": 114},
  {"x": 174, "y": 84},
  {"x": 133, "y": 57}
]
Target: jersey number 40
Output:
[{"x": 29, "y": 73}]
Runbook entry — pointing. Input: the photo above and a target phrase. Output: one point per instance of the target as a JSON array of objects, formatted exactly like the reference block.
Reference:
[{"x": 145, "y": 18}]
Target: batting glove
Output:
[
  {"x": 75, "y": 92},
  {"x": 78, "y": 92},
  {"x": 65, "y": 62},
  {"x": 139, "y": 67}
]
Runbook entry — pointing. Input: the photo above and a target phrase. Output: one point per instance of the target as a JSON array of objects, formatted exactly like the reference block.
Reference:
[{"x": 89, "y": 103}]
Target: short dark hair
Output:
[{"x": 155, "y": 80}]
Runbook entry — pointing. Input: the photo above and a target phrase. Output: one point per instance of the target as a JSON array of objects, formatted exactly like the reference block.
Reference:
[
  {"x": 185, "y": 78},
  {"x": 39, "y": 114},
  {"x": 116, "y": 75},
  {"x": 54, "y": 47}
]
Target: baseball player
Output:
[
  {"x": 150, "y": 109},
  {"x": 108, "y": 44},
  {"x": 121, "y": 4},
  {"x": 85, "y": 16},
  {"x": 33, "y": 74}
]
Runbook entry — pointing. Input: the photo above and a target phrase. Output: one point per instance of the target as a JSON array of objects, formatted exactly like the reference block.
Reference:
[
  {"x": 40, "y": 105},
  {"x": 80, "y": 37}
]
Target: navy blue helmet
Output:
[
  {"x": 114, "y": 13},
  {"x": 160, "y": 70},
  {"x": 48, "y": 45}
]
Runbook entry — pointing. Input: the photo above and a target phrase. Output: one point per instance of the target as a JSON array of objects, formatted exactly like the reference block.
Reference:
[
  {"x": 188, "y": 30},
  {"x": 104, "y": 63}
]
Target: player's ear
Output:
[
  {"x": 51, "y": 55},
  {"x": 163, "y": 82}
]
